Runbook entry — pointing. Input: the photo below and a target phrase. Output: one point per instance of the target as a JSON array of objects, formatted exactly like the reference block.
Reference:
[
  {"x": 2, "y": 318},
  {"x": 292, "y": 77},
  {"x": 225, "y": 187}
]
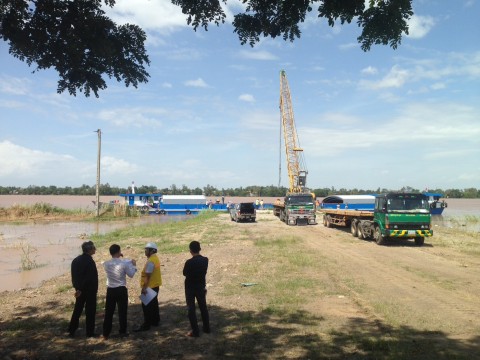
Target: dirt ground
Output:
[{"x": 425, "y": 299}]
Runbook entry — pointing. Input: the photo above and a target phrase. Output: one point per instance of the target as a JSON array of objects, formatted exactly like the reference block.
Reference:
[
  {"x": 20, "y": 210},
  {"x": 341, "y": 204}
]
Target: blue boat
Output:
[
  {"x": 436, "y": 205},
  {"x": 170, "y": 204},
  {"x": 143, "y": 202}
]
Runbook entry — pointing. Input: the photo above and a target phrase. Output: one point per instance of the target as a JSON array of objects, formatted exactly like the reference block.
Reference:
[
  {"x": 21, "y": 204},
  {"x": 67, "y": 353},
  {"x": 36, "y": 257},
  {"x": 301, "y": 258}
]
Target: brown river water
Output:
[{"x": 53, "y": 245}]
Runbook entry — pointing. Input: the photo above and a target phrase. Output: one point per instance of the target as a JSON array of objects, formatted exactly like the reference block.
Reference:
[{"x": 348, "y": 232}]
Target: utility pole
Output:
[{"x": 99, "y": 132}]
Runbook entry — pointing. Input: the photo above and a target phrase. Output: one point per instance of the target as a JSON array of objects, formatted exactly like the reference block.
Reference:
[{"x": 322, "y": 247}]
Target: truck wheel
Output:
[
  {"x": 361, "y": 234},
  {"x": 419, "y": 241},
  {"x": 354, "y": 228},
  {"x": 324, "y": 220},
  {"x": 379, "y": 238},
  {"x": 329, "y": 222}
]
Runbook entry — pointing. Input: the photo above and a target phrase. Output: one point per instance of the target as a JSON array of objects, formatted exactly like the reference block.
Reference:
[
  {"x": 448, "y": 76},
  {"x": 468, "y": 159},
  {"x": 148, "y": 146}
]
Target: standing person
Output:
[
  {"x": 257, "y": 203},
  {"x": 261, "y": 204},
  {"x": 85, "y": 282},
  {"x": 195, "y": 271},
  {"x": 151, "y": 278},
  {"x": 117, "y": 293}
]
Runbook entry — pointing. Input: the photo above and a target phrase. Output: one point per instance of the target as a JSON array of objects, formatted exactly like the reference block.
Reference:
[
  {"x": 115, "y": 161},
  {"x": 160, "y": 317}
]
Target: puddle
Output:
[{"x": 51, "y": 246}]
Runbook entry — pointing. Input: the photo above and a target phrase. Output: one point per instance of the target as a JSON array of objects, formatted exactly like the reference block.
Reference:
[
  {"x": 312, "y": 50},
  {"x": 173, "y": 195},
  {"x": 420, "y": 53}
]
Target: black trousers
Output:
[
  {"x": 200, "y": 294},
  {"x": 89, "y": 301},
  {"x": 116, "y": 296},
  {"x": 151, "y": 313}
]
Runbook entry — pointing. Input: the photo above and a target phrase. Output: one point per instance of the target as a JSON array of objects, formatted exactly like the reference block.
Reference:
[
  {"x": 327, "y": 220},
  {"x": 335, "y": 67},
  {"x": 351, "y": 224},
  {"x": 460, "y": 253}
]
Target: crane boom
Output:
[{"x": 297, "y": 172}]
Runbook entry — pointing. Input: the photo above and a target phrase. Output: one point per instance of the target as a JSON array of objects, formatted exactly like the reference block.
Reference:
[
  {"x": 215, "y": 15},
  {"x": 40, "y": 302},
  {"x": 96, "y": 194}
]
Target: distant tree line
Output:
[{"x": 209, "y": 190}]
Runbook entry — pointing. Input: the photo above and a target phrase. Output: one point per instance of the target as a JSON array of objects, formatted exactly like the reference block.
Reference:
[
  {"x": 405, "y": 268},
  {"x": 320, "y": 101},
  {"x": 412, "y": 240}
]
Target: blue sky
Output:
[{"x": 210, "y": 112}]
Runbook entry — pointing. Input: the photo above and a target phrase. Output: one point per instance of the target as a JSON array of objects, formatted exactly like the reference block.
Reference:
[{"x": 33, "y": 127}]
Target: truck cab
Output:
[{"x": 405, "y": 215}]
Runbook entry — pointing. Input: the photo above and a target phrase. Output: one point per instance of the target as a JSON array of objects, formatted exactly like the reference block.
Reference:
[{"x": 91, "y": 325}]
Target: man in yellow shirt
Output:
[{"x": 150, "y": 278}]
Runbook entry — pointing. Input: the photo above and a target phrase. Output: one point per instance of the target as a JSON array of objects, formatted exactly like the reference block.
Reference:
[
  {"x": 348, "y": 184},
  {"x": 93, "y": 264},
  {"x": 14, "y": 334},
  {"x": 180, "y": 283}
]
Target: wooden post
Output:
[{"x": 99, "y": 132}]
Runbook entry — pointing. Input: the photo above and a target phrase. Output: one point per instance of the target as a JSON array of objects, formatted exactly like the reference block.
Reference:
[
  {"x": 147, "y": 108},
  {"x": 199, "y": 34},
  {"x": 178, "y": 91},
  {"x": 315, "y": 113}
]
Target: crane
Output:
[
  {"x": 296, "y": 167},
  {"x": 298, "y": 207}
]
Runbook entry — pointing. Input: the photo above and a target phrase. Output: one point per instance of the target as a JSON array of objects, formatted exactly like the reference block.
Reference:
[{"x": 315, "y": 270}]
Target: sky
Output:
[{"x": 209, "y": 114}]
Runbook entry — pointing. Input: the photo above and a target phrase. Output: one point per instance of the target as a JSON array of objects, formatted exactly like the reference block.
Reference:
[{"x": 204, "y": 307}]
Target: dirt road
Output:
[{"x": 427, "y": 288}]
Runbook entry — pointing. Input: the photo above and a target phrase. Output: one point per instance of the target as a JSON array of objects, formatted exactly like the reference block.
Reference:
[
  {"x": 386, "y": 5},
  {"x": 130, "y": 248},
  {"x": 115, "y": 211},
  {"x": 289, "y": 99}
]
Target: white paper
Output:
[{"x": 146, "y": 298}]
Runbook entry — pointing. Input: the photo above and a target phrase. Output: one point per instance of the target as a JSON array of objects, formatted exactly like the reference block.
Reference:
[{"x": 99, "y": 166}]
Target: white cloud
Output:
[
  {"x": 246, "y": 97},
  {"x": 196, "y": 83},
  {"x": 22, "y": 166},
  {"x": 22, "y": 162},
  {"x": 438, "y": 86},
  {"x": 11, "y": 104},
  {"x": 167, "y": 85},
  {"x": 449, "y": 126},
  {"x": 112, "y": 166},
  {"x": 348, "y": 46},
  {"x": 419, "y": 26},
  {"x": 394, "y": 79},
  {"x": 370, "y": 70},
  {"x": 136, "y": 117},
  {"x": 257, "y": 55},
  {"x": 14, "y": 86},
  {"x": 260, "y": 121},
  {"x": 157, "y": 15}
]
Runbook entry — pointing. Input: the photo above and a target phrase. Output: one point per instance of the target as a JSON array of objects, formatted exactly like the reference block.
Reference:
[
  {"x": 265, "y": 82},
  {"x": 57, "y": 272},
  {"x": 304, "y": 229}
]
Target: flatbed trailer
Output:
[{"x": 344, "y": 217}]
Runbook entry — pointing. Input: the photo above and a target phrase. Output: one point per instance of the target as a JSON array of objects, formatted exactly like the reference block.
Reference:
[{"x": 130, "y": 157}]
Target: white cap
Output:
[{"x": 151, "y": 245}]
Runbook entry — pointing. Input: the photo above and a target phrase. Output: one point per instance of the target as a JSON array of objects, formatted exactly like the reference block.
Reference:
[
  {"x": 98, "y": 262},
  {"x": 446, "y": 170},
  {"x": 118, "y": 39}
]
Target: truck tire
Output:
[
  {"x": 354, "y": 228},
  {"x": 329, "y": 222},
  {"x": 361, "y": 234},
  {"x": 419, "y": 240},
  {"x": 379, "y": 238},
  {"x": 324, "y": 220}
]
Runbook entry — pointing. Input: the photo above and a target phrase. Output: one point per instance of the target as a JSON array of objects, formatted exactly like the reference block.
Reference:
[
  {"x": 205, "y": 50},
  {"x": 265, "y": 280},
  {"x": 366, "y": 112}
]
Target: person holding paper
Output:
[
  {"x": 117, "y": 270},
  {"x": 151, "y": 279},
  {"x": 195, "y": 271},
  {"x": 85, "y": 283}
]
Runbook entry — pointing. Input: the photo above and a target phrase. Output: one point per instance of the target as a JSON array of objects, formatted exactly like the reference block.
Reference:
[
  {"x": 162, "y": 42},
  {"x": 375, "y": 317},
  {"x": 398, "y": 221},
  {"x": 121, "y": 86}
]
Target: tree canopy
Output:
[
  {"x": 76, "y": 39},
  {"x": 382, "y": 21},
  {"x": 84, "y": 46}
]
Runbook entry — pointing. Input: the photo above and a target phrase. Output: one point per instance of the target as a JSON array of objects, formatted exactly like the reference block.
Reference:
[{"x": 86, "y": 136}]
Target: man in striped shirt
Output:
[{"x": 117, "y": 269}]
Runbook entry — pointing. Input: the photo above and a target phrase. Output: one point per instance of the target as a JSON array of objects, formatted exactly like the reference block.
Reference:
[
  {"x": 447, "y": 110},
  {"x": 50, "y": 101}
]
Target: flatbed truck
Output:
[
  {"x": 296, "y": 209},
  {"x": 395, "y": 215}
]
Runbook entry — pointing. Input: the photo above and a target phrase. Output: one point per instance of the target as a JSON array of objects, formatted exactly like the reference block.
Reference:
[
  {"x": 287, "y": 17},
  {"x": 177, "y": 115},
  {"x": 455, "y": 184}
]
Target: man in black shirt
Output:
[
  {"x": 85, "y": 282},
  {"x": 195, "y": 270}
]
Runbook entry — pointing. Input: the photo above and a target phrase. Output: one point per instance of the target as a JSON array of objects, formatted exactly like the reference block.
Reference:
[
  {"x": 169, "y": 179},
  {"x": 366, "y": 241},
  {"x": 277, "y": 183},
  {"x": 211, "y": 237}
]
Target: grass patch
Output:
[
  {"x": 289, "y": 280},
  {"x": 20, "y": 212},
  {"x": 63, "y": 288},
  {"x": 467, "y": 242},
  {"x": 171, "y": 237}
]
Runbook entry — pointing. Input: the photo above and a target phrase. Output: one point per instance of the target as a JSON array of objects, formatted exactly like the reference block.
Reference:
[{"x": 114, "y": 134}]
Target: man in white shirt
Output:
[{"x": 117, "y": 292}]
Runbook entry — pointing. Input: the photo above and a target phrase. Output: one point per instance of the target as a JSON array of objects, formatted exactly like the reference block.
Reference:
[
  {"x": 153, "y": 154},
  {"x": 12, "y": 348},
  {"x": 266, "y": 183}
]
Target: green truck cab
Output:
[
  {"x": 402, "y": 215},
  {"x": 296, "y": 209}
]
